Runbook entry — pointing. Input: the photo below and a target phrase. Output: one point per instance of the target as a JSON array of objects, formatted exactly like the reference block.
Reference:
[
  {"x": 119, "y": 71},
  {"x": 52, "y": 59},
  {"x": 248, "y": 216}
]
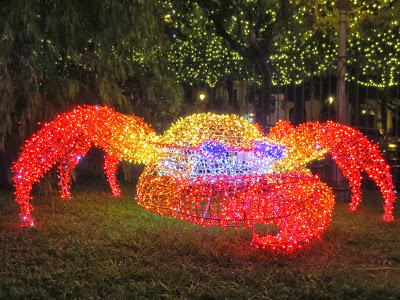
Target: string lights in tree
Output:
[
  {"x": 212, "y": 169},
  {"x": 304, "y": 46},
  {"x": 196, "y": 53},
  {"x": 374, "y": 43}
]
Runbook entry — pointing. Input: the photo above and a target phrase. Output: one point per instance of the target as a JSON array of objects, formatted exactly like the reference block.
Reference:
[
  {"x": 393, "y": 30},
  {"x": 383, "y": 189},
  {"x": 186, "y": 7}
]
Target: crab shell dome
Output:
[{"x": 231, "y": 130}]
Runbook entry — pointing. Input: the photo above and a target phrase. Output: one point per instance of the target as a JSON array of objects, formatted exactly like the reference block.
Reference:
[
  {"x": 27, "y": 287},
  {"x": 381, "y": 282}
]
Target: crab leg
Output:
[
  {"x": 67, "y": 165},
  {"x": 67, "y": 138},
  {"x": 110, "y": 167}
]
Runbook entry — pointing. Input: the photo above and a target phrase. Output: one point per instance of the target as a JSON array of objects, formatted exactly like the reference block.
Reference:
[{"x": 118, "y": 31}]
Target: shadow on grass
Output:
[{"x": 96, "y": 246}]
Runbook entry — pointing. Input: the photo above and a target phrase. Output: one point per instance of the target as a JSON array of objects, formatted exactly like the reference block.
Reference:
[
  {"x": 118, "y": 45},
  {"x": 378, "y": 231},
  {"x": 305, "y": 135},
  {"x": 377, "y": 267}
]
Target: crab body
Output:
[{"x": 212, "y": 169}]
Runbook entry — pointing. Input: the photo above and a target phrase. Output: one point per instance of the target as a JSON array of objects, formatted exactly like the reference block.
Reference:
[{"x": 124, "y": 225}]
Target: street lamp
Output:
[{"x": 202, "y": 96}]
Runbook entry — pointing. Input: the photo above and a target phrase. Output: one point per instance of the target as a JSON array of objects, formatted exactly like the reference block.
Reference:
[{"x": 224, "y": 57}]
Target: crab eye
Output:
[
  {"x": 214, "y": 149},
  {"x": 269, "y": 150}
]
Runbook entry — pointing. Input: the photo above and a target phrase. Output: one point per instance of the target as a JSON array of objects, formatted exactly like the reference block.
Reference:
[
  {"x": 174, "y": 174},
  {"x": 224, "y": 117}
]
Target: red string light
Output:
[{"x": 110, "y": 167}]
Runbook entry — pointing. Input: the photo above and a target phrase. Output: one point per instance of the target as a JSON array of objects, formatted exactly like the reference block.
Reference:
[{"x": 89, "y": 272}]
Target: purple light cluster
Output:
[
  {"x": 272, "y": 151},
  {"x": 214, "y": 149}
]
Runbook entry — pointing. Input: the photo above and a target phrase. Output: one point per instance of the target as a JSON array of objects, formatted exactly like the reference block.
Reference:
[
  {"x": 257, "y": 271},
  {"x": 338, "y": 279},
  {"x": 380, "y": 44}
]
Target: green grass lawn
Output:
[{"x": 96, "y": 246}]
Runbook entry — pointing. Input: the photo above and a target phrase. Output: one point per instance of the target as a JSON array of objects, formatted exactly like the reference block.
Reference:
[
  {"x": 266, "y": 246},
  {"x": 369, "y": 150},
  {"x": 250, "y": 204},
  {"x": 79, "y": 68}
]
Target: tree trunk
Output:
[
  {"x": 263, "y": 98},
  {"x": 384, "y": 107},
  {"x": 341, "y": 105},
  {"x": 299, "y": 107},
  {"x": 229, "y": 86}
]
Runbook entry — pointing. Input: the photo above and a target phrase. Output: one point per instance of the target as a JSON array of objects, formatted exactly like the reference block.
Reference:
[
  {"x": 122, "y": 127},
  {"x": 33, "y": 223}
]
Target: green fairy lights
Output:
[{"x": 304, "y": 45}]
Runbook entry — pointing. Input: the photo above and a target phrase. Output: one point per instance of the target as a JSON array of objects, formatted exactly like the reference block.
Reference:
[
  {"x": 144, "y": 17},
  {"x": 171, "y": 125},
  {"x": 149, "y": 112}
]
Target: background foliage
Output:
[{"x": 54, "y": 54}]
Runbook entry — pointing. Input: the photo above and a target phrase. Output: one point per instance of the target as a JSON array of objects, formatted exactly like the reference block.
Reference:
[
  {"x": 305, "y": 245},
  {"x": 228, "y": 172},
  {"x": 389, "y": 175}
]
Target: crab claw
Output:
[
  {"x": 351, "y": 150},
  {"x": 300, "y": 206}
]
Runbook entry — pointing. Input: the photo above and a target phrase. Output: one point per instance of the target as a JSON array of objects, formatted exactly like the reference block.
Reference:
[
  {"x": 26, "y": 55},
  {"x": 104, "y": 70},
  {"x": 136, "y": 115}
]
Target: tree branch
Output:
[{"x": 214, "y": 11}]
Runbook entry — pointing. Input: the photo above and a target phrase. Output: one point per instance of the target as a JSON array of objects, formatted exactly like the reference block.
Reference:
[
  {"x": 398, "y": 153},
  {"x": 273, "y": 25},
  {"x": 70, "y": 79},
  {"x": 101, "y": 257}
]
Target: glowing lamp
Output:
[{"x": 202, "y": 96}]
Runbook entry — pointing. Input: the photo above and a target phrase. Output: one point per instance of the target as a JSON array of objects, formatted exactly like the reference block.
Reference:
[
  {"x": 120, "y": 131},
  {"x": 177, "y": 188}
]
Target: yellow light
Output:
[
  {"x": 330, "y": 100},
  {"x": 167, "y": 18},
  {"x": 392, "y": 146},
  {"x": 202, "y": 96},
  {"x": 363, "y": 112}
]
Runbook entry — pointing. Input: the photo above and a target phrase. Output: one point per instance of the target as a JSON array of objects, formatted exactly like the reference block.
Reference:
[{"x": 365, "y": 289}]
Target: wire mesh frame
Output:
[{"x": 232, "y": 200}]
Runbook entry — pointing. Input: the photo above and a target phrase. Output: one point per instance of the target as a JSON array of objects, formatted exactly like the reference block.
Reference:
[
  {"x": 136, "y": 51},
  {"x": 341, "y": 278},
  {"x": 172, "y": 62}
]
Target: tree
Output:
[
  {"x": 277, "y": 42},
  {"x": 54, "y": 54},
  {"x": 374, "y": 42},
  {"x": 374, "y": 47},
  {"x": 257, "y": 36}
]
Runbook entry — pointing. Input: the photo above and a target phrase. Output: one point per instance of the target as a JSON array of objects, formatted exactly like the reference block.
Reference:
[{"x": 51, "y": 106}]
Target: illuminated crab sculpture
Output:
[{"x": 212, "y": 169}]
